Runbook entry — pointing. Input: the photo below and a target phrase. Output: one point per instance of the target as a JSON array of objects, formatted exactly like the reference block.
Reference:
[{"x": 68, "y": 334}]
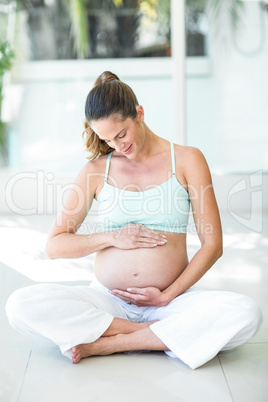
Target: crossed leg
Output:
[{"x": 121, "y": 336}]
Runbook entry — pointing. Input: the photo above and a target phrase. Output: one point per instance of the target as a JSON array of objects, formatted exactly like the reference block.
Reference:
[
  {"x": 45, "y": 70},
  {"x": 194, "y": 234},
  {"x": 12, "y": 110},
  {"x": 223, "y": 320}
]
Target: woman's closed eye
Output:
[{"x": 121, "y": 136}]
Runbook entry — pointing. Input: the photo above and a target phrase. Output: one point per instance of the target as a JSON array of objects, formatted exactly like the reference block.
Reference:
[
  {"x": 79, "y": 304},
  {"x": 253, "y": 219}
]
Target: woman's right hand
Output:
[{"x": 134, "y": 235}]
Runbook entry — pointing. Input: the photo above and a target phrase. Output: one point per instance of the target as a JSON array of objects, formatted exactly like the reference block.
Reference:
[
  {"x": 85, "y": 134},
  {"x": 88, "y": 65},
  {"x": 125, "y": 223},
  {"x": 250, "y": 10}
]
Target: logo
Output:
[{"x": 251, "y": 186}]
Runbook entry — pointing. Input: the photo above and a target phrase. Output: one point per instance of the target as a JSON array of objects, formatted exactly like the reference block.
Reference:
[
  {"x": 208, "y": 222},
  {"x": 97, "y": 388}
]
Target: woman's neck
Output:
[{"x": 152, "y": 144}]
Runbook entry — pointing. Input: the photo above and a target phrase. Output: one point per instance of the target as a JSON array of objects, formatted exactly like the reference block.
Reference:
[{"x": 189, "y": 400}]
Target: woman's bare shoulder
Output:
[
  {"x": 96, "y": 166},
  {"x": 92, "y": 172},
  {"x": 192, "y": 164},
  {"x": 188, "y": 154}
]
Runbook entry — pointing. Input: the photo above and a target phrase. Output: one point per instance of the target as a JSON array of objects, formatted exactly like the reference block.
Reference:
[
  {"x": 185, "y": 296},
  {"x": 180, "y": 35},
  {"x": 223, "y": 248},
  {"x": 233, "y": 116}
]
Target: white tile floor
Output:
[{"x": 33, "y": 370}]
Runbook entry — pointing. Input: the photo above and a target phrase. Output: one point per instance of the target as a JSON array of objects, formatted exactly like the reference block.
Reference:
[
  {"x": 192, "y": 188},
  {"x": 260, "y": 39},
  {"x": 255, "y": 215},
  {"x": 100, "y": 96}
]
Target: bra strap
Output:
[
  {"x": 107, "y": 167},
  {"x": 173, "y": 159}
]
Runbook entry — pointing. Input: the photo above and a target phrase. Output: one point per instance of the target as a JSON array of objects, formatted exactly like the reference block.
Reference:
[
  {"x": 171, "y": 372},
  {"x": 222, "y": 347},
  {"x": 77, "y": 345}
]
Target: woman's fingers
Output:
[
  {"x": 153, "y": 237},
  {"x": 136, "y": 236},
  {"x": 142, "y": 244},
  {"x": 126, "y": 296},
  {"x": 150, "y": 242},
  {"x": 145, "y": 236},
  {"x": 149, "y": 296}
]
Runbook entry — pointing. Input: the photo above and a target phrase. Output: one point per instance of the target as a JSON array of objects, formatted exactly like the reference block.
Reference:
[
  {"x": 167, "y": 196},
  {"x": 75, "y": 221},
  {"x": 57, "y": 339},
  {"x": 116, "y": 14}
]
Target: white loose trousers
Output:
[{"x": 195, "y": 326}]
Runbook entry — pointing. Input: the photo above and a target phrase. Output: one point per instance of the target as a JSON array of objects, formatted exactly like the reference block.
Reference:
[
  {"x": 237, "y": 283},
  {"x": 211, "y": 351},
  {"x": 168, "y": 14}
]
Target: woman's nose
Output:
[{"x": 119, "y": 146}]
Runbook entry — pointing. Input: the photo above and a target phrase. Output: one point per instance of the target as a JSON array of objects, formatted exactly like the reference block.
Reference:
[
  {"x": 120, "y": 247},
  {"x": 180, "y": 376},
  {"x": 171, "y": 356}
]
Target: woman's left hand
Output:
[{"x": 142, "y": 297}]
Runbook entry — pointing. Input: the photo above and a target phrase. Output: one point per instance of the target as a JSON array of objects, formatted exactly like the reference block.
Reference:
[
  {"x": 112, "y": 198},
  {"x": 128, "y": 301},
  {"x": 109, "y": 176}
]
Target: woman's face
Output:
[{"x": 125, "y": 136}]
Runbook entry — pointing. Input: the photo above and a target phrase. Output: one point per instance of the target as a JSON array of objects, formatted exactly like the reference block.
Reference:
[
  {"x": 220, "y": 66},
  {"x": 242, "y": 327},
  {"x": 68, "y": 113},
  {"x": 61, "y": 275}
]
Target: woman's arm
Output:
[
  {"x": 208, "y": 225},
  {"x": 63, "y": 242},
  {"x": 207, "y": 222}
]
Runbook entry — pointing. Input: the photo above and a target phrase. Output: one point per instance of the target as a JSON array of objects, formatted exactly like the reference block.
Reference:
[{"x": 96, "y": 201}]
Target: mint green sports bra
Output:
[{"x": 164, "y": 207}]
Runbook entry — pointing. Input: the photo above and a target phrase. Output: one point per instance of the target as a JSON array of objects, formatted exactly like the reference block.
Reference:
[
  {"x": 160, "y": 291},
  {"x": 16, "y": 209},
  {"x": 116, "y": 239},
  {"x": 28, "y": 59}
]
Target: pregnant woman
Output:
[{"x": 143, "y": 297}]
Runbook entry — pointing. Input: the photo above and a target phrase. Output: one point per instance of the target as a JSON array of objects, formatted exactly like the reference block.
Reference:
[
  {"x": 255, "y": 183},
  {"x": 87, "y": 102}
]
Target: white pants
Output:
[{"x": 195, "y": 326}]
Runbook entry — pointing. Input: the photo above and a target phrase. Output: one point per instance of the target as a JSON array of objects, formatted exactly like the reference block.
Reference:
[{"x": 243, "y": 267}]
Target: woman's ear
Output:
[{"x": 140, "y": 113}]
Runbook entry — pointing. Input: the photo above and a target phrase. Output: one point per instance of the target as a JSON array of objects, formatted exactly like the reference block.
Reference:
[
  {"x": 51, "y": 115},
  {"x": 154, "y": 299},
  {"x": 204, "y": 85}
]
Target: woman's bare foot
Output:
[
  {"x": 101, "y": 347},
  {"x": 98, "y": 348}
]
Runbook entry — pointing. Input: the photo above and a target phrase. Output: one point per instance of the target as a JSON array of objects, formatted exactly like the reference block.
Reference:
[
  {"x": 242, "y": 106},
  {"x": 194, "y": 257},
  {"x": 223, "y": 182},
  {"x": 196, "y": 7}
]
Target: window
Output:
[
  {"x": 196, "y": 23},
  {"x": 71, "y": 29}
]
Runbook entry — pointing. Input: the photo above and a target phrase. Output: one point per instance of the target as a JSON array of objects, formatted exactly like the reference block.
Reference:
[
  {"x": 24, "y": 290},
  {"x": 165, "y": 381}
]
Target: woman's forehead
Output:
[{"x": 110, "y": 127}]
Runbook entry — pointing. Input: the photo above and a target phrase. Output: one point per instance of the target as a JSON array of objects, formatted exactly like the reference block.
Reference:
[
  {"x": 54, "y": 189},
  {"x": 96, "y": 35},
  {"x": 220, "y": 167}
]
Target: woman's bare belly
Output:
[{"x": 142, "y": 267}]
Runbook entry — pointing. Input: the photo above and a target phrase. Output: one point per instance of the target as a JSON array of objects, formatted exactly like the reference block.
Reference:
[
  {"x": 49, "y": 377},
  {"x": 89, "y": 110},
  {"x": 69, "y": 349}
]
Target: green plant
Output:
[
  {"x": 6, "y": 60},
  {"x": 79, "y": 19}
]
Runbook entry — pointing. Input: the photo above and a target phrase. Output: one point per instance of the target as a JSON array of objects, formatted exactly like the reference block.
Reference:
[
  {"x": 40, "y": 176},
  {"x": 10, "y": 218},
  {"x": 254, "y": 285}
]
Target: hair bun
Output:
[{"x": 106, "y": 76}]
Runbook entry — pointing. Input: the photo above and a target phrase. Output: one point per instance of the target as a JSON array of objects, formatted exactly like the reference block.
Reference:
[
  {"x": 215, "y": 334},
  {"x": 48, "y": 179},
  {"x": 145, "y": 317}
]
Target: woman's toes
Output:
[
  {"x": 75, "y": 354},
  {"x": 76, "y": 359}
]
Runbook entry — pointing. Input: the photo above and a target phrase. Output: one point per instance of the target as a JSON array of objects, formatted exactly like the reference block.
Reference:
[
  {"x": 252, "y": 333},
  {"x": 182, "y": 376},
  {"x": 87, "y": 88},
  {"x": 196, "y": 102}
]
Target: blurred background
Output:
[{"x": 198, "y": 67}]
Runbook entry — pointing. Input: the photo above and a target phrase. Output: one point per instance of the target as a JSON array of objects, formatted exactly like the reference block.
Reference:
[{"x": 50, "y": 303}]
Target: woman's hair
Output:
[{"x": 108, "y": 96}]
